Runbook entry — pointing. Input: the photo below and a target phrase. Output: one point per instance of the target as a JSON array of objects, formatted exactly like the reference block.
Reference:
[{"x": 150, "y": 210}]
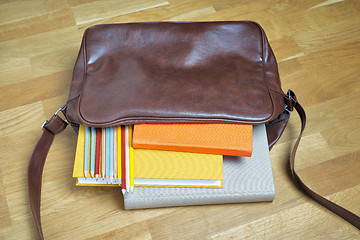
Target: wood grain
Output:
[{"x": 317, "y": 45}]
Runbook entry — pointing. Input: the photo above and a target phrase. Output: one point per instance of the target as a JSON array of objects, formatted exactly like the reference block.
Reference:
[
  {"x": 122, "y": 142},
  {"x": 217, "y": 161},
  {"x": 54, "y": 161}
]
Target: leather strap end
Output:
[{"x": 342, "y": 212}]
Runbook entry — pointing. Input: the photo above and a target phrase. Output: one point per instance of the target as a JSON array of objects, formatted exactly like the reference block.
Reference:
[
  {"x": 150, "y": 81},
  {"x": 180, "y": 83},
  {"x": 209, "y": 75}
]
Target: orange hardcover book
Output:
[{"x": 213, "y": 138}]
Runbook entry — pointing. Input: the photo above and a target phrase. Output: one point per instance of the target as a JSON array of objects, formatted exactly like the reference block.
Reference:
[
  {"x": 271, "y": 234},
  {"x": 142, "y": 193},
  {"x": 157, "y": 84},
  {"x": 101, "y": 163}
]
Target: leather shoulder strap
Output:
[
  {"x": 342, "y": 212},
  {"x": 56, "y": 125},
  {"x": 53, "y": 126}
]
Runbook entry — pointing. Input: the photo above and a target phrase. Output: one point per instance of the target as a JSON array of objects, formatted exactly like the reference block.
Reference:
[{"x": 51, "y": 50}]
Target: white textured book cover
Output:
[{"x": 246, "y": 179}]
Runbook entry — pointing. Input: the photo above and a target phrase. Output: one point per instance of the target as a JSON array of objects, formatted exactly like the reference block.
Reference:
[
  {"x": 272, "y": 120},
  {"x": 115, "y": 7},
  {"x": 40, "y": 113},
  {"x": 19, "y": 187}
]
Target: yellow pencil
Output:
[
  {"x": 115, "y": 153},
  {"x": 131, "y": 156}
]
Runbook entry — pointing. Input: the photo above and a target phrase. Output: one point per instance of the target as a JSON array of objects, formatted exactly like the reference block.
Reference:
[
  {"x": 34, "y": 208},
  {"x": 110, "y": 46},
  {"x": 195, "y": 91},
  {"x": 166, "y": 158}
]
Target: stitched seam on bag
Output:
[
  {"x": 264, "y": 72},
  {"x": 84, "y": 65},
  {"x": 134, "y": 120}
]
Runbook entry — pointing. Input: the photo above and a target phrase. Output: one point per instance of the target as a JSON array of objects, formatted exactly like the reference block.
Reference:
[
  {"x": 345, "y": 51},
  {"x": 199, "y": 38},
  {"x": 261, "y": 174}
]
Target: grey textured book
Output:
[{"x": 245, "y": 179}]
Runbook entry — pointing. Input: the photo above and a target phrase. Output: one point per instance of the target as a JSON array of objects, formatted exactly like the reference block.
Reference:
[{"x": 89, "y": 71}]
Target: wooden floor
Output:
[{"x": 317, "y": 45}]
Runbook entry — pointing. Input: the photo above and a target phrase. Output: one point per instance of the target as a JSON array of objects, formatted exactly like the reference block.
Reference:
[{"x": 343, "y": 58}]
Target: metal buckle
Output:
[
  {"x": 287, "y": 110},
  {"x": 56, "y": 113},
  {"x": 42, "y": 126}
]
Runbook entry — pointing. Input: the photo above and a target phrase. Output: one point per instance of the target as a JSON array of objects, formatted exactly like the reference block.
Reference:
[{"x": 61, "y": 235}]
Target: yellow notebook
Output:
[
  {"x": 181, "y": 169},
  {"x": 154, "y": 168}
]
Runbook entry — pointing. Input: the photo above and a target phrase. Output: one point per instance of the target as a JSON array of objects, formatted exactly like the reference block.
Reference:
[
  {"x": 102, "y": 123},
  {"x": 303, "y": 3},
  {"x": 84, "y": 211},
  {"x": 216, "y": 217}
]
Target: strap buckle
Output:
[
  {"x": 56, "y": 113},
  {"x": 290, "y": 100},
  {"x": 286, "y": 109},
  {"x": 42, "y": 126}
]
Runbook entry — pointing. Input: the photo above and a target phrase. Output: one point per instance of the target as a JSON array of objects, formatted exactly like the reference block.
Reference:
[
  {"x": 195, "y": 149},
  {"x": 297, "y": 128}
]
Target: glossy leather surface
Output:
[{"x": 175, "y": 72}]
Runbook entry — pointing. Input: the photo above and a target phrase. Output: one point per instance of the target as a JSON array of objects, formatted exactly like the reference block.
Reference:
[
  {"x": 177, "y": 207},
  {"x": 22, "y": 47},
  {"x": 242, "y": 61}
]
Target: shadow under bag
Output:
[{"x": 205, "y": 72}]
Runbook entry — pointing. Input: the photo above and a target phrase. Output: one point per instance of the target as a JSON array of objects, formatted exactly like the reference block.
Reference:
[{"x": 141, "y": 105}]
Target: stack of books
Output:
[{"x": 160, "y": 165}]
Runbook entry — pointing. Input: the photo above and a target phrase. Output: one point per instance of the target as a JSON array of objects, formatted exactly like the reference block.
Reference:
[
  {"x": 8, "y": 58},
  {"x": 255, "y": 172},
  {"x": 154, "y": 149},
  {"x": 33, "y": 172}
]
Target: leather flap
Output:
[{"x": 174, "y": 72}]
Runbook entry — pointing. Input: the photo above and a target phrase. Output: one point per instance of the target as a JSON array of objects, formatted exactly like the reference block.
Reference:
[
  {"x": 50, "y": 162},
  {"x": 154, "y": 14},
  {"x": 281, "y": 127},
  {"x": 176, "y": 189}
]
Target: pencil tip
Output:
[
  {"x": 123, "y": 191},
  {"x": 111, "y": 179},
  {"x": 92, "y": 173}
]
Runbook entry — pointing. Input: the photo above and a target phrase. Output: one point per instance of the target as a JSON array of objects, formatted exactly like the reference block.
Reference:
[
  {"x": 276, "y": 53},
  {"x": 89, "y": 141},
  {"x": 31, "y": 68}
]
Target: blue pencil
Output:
[
  {"x": 92, "y": 151},
  {"x": 111, "y": 150},
  {"x": 86, "y": 155}
]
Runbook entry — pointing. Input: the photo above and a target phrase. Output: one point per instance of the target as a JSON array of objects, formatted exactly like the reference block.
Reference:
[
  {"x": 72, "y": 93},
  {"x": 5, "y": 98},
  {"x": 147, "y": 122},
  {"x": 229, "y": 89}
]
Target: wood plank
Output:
[
  {"x": 35, "y": 89},
  {"x": 37, "y": 45},
  {"x": 135, "y": 231},
  {"x": 284, "y": 54},
  {"x": 97, "y": 10},
  {"x": 314, "y": 145},
  {"x": 334, "y": 175},
  {"x": 285, "y": 224},
  {"x": 54, "y": 61},
  {"x": 344, "y": 138},
  {"x": 155, "y": 14},
  {"x": 31, "y": 26},
  {"x": 14, "y": 71},
  {"x": 345, "y": 107},
  {"x": 4, "y": 208},
  {"x": 15, "y": 120},
  {"x": 18, "y": 10}
]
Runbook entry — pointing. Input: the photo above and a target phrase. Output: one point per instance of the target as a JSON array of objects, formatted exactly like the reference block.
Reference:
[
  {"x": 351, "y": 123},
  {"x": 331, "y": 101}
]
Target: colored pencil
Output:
[
  {"x": 123, "y": 171},
  {"x": 115, "y": 153},
  {"x": 92, "y": 151},
  {"x": 119, "y": 153},
  {"x": 86, "y": 155},
  {"x": 107, "y": 155},
  {"x": 127, "y": 159},
  {"x": 131, "y": 159},
  {"x": 103, "y": 152},
  {"x": 98, "y": 149},
  {"x": 111, "y": 154}
]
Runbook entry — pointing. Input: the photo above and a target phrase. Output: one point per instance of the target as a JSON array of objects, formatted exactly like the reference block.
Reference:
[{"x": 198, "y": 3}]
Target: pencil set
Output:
[{"x": 103, "y": 157}]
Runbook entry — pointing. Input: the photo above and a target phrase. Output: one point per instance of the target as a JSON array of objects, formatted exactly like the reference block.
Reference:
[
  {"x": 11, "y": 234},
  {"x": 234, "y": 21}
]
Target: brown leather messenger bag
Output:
[{"x": 207, "y": 72}]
